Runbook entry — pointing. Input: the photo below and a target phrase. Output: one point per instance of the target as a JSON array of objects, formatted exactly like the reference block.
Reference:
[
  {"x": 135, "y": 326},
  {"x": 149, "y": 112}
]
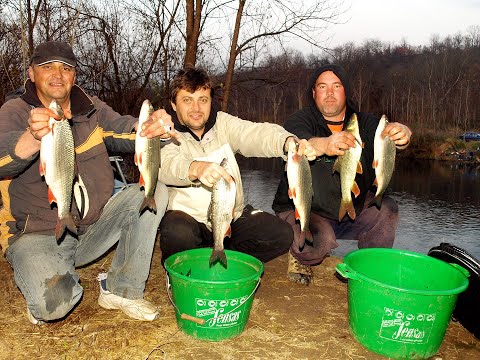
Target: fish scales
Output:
[
  {"x": 348, "y": 165},
  {"x": 147, "y": 159},
  {"x": 57, "y": 165},
  {"x": 221, "y": 213},
  {"x": 383, "y": 162},
  {"x": 300, "y": 190}
]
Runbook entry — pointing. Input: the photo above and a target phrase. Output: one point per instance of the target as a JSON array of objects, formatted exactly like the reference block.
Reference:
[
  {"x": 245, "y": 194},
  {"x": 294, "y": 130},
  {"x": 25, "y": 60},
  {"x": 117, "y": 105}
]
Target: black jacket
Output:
[{"x": 308, "y": 123}]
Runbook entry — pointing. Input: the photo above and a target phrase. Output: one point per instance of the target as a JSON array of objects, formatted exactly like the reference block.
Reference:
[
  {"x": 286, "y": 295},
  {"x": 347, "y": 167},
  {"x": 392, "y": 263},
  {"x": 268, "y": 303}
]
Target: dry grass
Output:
[{"x": 287, "y": 321}]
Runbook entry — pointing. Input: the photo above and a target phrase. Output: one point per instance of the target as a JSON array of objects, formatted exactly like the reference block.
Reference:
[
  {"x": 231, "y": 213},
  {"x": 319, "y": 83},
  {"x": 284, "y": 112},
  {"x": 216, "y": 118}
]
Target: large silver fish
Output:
[
  {"x": 300, "y": 190},
  {"x": 383, "y": 161},
  {"x": 57, "y": 166},
  {"x": 147, "y": 159},
  {"x": 221, "y": 211},
  {"x": 348, "y": 165}
]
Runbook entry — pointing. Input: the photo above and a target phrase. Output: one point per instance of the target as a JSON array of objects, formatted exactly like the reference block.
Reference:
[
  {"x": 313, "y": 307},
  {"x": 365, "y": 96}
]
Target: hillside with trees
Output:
[{"x": 130, "y": 51}]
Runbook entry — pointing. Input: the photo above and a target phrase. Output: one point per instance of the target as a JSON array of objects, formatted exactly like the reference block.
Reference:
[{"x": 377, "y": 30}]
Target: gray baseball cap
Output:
[{"x": 51, "y": 51}]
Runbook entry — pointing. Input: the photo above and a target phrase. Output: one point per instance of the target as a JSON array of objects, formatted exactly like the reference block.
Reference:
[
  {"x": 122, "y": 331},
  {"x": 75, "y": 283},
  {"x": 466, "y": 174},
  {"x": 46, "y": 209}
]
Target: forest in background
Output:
[{"x": 128, "y": 52}]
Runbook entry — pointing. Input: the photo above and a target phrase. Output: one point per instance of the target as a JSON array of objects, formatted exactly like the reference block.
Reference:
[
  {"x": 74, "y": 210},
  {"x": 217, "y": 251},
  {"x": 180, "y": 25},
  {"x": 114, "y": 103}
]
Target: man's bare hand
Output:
[
  {"x": 333, "y": 145},
  {"x": 208, "y": 172},
  {"x": 38, "y": 121},
  {"x": 159, "y": 124},
  {"x": 400, "y": 134},
  {"x": 304, "y": 147}
]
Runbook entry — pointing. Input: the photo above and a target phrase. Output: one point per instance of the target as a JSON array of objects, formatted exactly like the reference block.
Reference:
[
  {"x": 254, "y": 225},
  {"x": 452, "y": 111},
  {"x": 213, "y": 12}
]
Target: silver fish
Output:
[
  {"x": 300, "y": 189},
  {"x": 383, "y": 161},
  {"x": 147, "y": 159},
  {"x": 57, "y": 166},
  {"x": 348, "y": 165},
  {"x": 221, "y": 211}
]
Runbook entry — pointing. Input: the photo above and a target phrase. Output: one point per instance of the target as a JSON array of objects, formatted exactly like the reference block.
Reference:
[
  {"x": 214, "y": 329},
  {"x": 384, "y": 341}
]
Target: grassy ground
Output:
[{"x": 287, "y": 321}]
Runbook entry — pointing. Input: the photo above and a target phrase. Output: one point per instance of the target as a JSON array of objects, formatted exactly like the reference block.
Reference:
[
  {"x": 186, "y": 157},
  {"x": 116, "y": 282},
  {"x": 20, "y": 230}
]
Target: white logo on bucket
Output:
[
  {"x": 220, "y": 313},
  {"x": 406, "y": 327}
]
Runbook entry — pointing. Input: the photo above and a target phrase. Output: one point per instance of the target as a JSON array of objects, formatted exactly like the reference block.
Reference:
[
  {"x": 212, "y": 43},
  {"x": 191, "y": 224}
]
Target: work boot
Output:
[
  {"x": 139, "y": 309},
  {"x": 297, "y": 272}
]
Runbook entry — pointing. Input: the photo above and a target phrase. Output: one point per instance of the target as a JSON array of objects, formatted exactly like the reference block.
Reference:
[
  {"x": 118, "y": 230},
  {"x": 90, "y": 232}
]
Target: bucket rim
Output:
[
  {"x": 256, "y": 276},
  {"x": 360, "y": 276}
]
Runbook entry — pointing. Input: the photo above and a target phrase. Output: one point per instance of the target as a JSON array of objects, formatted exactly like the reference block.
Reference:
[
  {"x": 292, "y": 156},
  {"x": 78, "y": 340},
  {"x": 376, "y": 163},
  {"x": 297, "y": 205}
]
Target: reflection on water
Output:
[{"x": 438, "y": 202}]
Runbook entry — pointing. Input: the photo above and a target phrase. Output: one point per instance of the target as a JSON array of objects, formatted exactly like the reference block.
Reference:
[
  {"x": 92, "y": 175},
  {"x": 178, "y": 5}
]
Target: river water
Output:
[{"x": 438, "y": 202}]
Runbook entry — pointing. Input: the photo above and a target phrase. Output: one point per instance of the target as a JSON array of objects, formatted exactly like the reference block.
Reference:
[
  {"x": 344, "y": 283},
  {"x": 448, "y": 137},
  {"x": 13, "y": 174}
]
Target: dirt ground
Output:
[{"x": 287, "y": 321}]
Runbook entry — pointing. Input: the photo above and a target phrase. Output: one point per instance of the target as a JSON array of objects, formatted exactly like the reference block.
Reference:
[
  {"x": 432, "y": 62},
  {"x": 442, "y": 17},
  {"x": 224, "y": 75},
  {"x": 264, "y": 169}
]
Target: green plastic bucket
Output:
[
  {"x": 212, "y": 303},
  {"x": 400, "y": 302}
]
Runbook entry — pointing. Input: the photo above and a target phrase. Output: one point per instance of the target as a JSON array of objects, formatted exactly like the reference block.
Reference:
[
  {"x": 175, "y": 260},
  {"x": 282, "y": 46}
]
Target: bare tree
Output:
[
  {"x": 194, "y": 17},
  {"x": 269, "y": 20}
]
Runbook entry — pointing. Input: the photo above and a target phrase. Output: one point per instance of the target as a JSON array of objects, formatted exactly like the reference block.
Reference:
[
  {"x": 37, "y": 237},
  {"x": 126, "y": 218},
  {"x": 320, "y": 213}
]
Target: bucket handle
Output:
[
  {"x": 182, "y": 315},
  {"x": 346, "y": 272},
  {"x": 461, "y": 269},
  {"x": 193, "y": 318}
]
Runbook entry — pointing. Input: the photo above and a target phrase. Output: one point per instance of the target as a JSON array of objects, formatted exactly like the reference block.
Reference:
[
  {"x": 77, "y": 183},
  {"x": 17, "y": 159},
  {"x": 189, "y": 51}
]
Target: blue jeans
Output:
[{"x": 45, "y": 271}]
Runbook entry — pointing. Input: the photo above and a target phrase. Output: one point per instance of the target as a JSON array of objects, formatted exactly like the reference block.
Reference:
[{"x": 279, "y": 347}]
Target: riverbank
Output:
[
  {"x": 287, "y": 321},
  {"x": 431, "y": 146}
]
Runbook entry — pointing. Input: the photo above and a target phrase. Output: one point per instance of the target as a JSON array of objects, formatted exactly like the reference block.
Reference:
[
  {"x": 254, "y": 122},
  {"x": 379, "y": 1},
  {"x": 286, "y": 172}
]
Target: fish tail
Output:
[
  {"x": 218, "y": 255},
  {"x": 342, "y": 211},
  {"x": 302, "y": 240},
  {"x": 377, "y": 201},
  {"x": 351, "y": 210},
  {"x": 148, "y": 203},
  {"x": 309, "y": 237},
  {"x": 64, "y": 224},
  {"x": 346, "y": 207}
]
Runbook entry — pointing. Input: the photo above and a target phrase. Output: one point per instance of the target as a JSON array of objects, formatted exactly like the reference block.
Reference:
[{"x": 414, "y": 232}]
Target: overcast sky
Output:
[{"x": 413, "y": 20}]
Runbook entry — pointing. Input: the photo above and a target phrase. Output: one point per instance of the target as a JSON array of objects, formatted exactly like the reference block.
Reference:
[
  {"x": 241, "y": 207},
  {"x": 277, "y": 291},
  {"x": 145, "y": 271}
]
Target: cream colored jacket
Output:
[{"x": 229, "y": 135}]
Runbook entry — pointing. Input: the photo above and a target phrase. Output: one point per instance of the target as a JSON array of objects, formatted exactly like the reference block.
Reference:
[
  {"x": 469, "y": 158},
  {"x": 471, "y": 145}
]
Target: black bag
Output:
[{"x": 467, "y": 310}]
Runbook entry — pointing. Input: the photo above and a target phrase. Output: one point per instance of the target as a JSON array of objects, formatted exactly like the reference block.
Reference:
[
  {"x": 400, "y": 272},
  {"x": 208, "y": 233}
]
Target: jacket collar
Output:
[
  {"x": 81, "y": 103},
  {"x": 212, "y": 119}
]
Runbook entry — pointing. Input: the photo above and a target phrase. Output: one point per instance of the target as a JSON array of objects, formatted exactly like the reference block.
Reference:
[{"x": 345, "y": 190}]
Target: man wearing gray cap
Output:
[{"x": 44, "y": 269}]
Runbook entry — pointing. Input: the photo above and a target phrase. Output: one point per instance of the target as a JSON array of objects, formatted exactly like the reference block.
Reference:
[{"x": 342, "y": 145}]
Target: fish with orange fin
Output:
[
  {"x": 147, "y": 159},
  {"x": 220, "y": 212},
  {"x": 348, "y": 166},
  {"x": 383, "y": 161},
  {"x": 57, "y": 166},
  {"x": 300, "y": 190}
]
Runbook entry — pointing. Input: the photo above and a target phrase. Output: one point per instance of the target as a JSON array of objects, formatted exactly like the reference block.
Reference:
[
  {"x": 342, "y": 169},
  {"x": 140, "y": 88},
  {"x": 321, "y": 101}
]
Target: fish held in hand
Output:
[
  {"x": 383, "y": 162},
  {"x": 57, "y": 166},
  {"x": 348, "y": 166},
  {"x": 300, "y": 190},
  {"x": 147, "y": 159},
  {"x": 221, "y": 211}
]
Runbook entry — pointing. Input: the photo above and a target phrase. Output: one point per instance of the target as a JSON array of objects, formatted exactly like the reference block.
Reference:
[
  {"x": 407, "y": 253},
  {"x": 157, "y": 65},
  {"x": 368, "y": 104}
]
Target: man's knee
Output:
[
  {"x": 389, "y": 206},
  {"x": 60, "y": 295}
]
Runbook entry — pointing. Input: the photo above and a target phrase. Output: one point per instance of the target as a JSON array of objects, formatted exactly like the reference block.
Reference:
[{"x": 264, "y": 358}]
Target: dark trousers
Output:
[
  {"x": 372, "y": 228},
  {"x": 255, "y": 232}
]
